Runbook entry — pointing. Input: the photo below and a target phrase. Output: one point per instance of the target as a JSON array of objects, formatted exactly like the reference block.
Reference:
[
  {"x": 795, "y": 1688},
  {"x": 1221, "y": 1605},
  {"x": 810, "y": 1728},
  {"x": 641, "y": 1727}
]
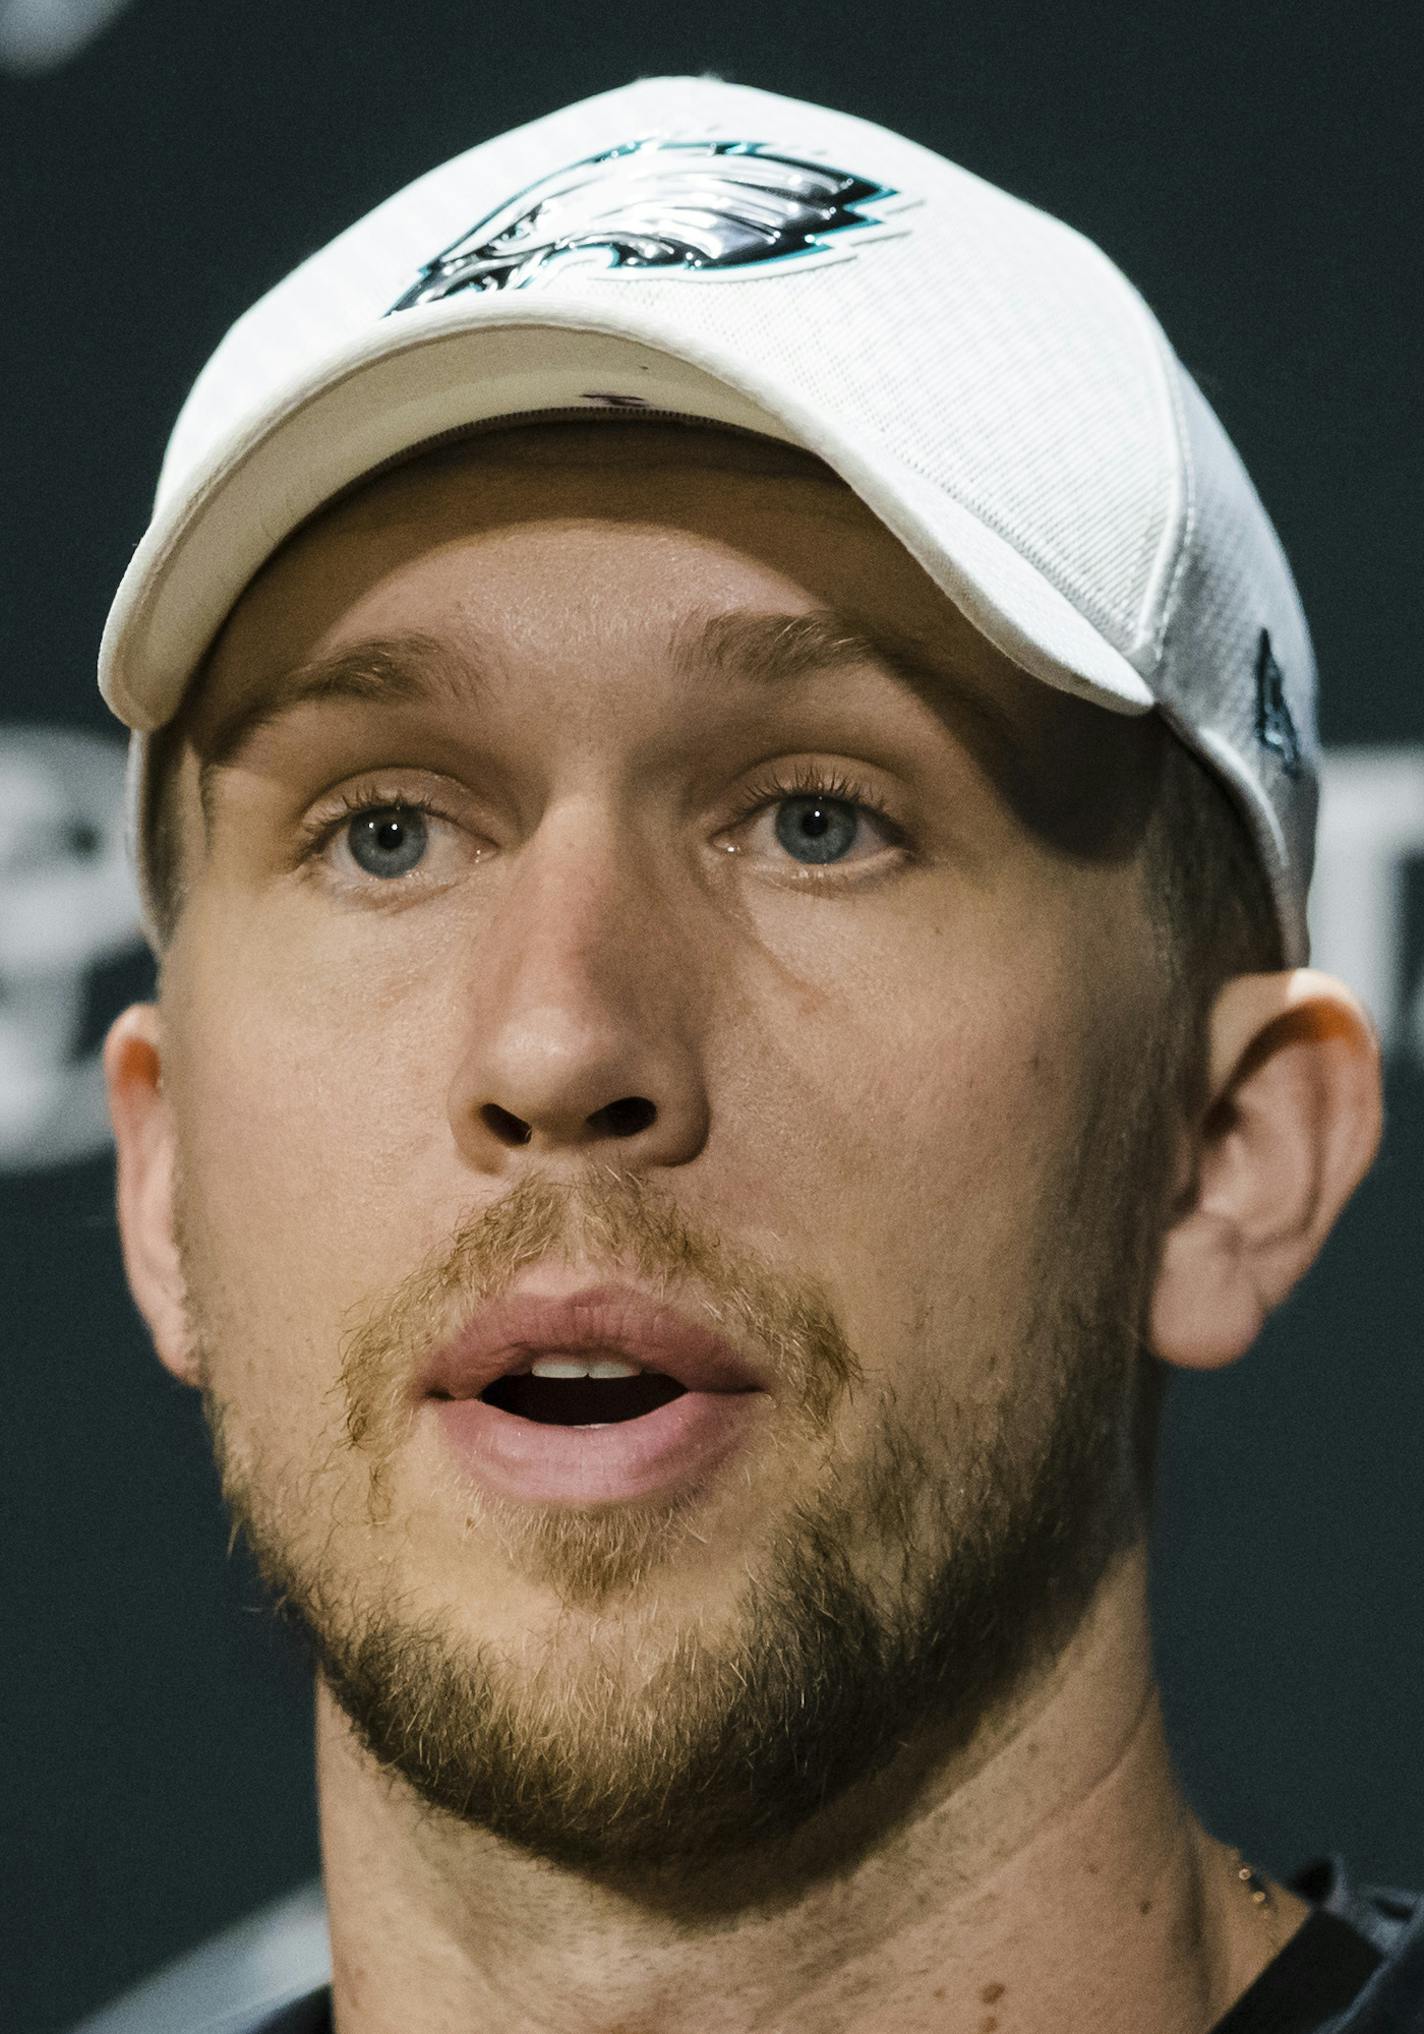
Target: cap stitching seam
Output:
[{"x": 1189, "y": 513}]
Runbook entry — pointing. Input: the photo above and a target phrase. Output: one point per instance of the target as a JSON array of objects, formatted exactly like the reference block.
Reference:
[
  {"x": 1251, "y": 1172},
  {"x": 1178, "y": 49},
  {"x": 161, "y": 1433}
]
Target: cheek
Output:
[
  {"x": 920, "y": 1110},
  {"x": 315, "y": 1150}
]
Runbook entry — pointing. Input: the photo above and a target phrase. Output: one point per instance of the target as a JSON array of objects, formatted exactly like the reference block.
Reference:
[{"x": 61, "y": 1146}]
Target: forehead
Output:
[
  {"x": 756, "y": 520},
  {"x": 613, "y": 467}
]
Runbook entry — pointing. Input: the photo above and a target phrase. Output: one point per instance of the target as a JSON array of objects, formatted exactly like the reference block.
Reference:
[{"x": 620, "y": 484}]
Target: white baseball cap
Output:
[{"x": 982, "y": 376}]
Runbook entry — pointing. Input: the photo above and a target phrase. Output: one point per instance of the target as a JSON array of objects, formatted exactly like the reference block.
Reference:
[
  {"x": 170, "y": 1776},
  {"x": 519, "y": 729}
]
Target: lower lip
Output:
[{"x": 681, "y": 1443}]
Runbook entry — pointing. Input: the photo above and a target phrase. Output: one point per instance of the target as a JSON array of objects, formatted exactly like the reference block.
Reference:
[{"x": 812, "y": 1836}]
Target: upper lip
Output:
[{"x": 613, "y": 1319}]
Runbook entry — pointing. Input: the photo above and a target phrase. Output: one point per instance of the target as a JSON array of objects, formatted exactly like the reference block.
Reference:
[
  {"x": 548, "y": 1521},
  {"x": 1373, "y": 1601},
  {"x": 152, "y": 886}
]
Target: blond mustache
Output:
[{"x": 614, "y": 1219}]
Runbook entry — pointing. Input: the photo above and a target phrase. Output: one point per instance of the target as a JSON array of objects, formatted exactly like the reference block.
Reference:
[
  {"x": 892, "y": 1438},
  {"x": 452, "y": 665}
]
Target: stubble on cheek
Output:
[
  {"x": 902, "y": 1583},
  {"x": 902, "y": 1576}
]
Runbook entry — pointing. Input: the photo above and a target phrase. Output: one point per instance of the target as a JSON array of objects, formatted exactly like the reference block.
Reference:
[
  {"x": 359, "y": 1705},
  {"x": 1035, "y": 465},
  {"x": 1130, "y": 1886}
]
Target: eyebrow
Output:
[
  {"x": 407, "y": 669},
  {"x": 774, "y": 649},
  {"x": 784, "y": 647}
]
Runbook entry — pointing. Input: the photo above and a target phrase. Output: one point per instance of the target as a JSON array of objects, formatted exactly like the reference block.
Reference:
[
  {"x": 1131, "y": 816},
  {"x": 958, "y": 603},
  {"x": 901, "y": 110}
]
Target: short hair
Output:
[
  {"x": 160, "y": 834},
  {"x": 1210, "y": 904}
]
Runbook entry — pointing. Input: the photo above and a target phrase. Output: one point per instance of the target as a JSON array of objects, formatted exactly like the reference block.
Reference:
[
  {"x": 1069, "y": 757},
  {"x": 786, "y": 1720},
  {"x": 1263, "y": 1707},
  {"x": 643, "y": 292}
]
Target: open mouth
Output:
[
  {"x": 599, "y": 1396},
  {"x": 571, "y": 1392}
]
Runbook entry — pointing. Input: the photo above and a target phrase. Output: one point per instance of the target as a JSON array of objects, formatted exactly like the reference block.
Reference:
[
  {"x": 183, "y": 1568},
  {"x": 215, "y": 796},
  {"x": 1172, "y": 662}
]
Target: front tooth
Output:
[
  {"x": 582, "y": 1366},
  {"x": 559, "y": 1366}
]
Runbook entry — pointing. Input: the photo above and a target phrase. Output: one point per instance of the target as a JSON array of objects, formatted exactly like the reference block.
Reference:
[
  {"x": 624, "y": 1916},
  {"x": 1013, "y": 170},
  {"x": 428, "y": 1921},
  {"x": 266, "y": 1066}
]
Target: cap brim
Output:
[{"x": 458, "y": 364}]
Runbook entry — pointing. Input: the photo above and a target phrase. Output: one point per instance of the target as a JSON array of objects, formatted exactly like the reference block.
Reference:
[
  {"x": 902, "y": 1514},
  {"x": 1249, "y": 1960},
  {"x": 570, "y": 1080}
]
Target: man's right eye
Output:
[
  {"x": 388, "y": 840},
  {"x": 362, "y": 840}
]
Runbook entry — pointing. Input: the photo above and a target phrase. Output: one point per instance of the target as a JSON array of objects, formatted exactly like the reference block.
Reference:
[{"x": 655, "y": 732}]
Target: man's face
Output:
[{"x": 674, "y": 893}]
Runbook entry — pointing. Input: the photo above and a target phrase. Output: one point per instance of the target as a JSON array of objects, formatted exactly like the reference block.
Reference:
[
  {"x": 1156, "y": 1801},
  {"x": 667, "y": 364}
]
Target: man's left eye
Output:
[
  {"x": 818, "y": 829},
  {"x": 813, "y": 828}
]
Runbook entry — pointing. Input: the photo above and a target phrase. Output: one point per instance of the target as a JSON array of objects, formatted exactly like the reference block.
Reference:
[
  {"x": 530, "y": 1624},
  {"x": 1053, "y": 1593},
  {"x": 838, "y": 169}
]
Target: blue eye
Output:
[
  {"x": 815, "y": 828},
  {"x": 388, "y": 840}
]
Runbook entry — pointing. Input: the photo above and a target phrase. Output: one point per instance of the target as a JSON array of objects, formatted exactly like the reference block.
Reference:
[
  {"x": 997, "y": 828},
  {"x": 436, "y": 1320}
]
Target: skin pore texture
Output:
[{"x": 858, "y": 1731}]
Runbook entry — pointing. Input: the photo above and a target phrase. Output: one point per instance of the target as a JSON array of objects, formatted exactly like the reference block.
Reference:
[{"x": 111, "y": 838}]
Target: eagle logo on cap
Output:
[{"x": 688, "y": 208}]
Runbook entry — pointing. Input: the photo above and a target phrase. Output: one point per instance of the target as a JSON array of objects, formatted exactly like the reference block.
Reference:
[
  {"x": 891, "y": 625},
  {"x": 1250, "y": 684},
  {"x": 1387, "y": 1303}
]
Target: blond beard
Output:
[{"x": 904, "y": 1599}]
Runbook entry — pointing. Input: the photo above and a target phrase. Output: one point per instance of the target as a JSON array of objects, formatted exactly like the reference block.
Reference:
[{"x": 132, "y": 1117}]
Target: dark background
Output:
[{"x": 1254, "y": 170}]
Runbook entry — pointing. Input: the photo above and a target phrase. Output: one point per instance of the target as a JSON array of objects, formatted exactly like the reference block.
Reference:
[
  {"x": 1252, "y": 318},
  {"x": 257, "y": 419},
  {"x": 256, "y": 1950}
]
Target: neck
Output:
[{"x": 1046, "y": 1882}]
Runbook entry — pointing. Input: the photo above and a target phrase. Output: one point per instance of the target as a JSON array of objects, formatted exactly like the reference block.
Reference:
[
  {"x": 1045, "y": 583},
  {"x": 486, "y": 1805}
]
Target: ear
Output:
[
  {"x": 144, "y": 1139},
  {"x": 1289, "y": 1127}
]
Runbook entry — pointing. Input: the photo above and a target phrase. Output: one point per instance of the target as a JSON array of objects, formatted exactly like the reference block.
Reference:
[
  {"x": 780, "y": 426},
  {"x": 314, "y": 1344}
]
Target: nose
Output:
[{"x": 583, "y": 1024}]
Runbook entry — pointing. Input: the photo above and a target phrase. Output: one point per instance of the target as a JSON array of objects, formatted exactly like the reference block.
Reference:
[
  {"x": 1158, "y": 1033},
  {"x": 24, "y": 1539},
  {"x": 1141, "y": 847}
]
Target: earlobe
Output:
[
  {"x": 1289, "y": 1126},
  {"x": 146, "y": 1166}
]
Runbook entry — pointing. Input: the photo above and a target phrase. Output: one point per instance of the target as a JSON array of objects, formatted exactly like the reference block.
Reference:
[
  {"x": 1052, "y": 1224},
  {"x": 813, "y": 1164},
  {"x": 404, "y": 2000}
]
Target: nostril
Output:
[
  {"x": 512, "y": 1129},
  {"x": 625, "y": 1118}
]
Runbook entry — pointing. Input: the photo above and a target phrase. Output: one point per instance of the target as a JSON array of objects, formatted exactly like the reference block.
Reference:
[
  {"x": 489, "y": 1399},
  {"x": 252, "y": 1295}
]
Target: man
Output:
[{"x": 723, "y": 785}]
